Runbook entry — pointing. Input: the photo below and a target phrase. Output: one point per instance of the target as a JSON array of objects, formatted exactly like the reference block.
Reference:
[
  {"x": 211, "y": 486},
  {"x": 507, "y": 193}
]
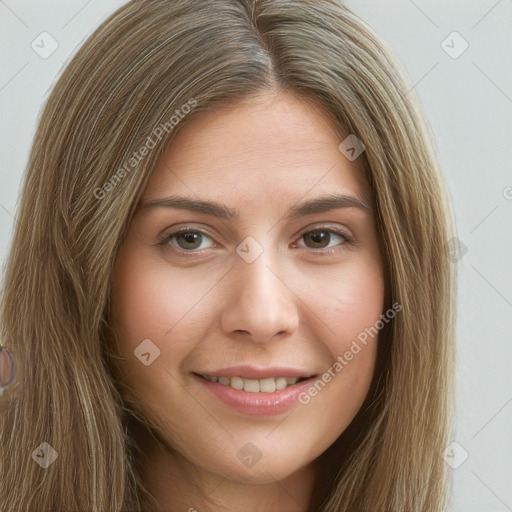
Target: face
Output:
[{"x": 237, "y": 275}]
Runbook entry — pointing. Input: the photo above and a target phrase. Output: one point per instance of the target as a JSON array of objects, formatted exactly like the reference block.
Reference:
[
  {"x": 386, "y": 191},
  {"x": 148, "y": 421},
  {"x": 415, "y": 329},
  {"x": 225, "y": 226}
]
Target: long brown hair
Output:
[{"x": 141, "y": 67}]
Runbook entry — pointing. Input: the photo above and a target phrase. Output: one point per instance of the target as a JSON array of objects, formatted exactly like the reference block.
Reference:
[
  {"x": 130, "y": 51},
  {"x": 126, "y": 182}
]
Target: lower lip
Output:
[{"x": 260, "y": 404}]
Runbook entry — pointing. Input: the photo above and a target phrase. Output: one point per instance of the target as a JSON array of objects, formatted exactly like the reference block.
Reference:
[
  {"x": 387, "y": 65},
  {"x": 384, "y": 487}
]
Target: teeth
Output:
[
  {"x": 281, "y": 383},
  {"x": 267, "y": 385},
  {"x": 251, "y": 385},
  {"x": 236, "y": 382}
]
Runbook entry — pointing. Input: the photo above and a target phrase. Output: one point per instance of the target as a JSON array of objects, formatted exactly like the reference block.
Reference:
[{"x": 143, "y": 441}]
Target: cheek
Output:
[
  {"x": 350, "y": 306},
  {"x": 153, "y": 301},
  {"x": 358, "y": 305},
  {"x": 347, "y": 301}
]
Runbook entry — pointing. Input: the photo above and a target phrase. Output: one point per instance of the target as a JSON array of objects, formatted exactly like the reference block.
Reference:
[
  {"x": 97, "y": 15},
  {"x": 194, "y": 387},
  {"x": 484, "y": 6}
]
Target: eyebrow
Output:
[{"x": 318, "y": 205}]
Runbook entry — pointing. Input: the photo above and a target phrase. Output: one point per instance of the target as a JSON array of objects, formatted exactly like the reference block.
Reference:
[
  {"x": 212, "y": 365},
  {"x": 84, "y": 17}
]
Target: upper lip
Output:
[{"x": 252, "y": 372}]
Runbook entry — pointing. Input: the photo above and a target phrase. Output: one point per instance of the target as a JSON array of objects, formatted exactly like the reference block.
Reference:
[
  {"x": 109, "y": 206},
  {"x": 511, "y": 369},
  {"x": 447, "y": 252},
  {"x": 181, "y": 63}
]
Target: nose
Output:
[{"x": 261, "y": 304}]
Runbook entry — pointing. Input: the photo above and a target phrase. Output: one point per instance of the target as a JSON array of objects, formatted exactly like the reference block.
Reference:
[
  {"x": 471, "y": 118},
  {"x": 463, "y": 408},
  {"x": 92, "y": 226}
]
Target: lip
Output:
[
  {"x": 259, "y": 404},
  {"x": 251, "y": 372}
]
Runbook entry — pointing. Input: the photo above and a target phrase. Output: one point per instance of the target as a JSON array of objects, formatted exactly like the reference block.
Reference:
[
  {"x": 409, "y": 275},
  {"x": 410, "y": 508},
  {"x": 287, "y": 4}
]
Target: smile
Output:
[
  {"x": 264, "y": 396},
  {"x": 266, "y": 385}
]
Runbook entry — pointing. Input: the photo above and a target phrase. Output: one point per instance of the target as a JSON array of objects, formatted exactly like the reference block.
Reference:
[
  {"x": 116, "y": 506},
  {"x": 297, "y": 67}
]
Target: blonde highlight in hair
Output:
[{"x": 144, "y": 63}]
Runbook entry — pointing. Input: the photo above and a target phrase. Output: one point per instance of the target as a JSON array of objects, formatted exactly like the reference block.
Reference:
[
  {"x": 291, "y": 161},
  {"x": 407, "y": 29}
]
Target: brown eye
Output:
[
  {"x": 322, "y": 238},
  {"x": 319, "y": 239},
  {"x": 188, "y": 240}
]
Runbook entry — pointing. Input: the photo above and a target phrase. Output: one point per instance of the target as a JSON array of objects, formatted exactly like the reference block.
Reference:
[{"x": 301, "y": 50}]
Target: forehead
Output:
[{"x": 271, "y": 147}]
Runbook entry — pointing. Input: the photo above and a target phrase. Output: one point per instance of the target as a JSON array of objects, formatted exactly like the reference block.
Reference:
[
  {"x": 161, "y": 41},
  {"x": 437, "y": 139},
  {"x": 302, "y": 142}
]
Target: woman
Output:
[{"x": 228, "y": 288}]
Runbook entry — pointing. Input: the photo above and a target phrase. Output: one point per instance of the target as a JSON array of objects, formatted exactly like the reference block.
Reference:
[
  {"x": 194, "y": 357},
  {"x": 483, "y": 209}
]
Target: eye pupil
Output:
[
  {"x": 319, "y": 238},
  {"x": 190, "y": 238}
]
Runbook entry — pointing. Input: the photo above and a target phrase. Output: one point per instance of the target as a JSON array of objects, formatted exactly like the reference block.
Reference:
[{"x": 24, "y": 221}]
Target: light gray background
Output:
[{"x": 468, "y": 101}]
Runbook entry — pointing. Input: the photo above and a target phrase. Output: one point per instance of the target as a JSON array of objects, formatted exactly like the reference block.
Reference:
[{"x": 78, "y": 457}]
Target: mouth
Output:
[
  {"x": 268, "y": 392},
  {"x": 263, "y": 385}
]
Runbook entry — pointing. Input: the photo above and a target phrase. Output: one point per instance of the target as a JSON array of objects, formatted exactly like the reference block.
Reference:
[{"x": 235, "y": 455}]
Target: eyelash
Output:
[{"x": 166, "y": 237}]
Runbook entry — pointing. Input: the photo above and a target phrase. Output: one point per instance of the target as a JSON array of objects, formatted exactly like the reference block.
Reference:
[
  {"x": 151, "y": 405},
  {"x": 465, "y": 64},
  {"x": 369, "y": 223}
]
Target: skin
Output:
[{"x": 210, "y": 309}]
